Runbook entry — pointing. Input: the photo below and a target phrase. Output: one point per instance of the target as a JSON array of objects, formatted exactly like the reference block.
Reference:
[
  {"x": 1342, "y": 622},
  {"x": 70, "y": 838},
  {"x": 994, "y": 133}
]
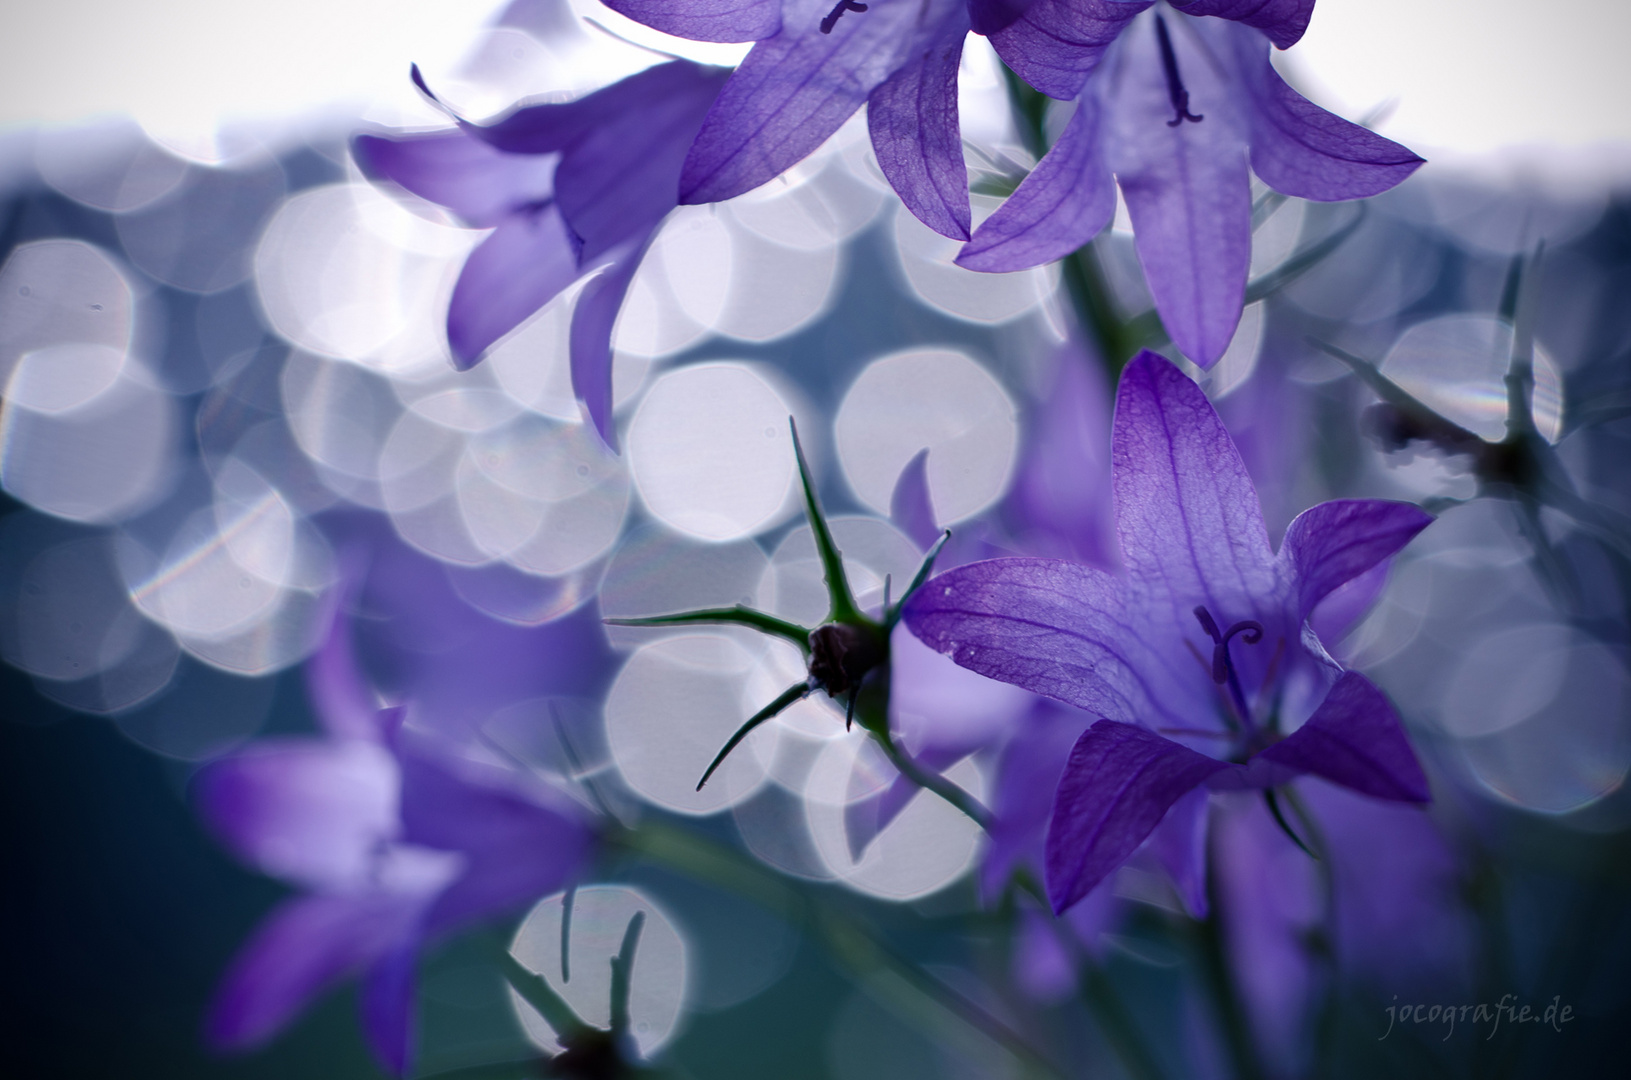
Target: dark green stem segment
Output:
[
  {"x": 1231, "y": 1015},
  {"x": 710, "y": 861},
  {"x": 1118, "y": 1023},
  {"x": 930, "y": 781},
  {"x": 623, "y": 973}
]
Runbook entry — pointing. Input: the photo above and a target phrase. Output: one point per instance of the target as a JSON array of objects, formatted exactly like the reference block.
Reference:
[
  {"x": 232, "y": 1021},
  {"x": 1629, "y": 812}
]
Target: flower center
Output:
[
  {"x": 838, "y": 10},
  {"x": 1223, "y": 668},
  {"x": 1175, "y": 81}
]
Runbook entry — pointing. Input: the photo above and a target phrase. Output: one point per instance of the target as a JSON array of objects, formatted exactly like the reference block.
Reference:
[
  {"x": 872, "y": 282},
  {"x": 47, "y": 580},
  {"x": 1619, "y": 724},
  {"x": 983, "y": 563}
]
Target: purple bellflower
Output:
[
  {"x": 571, "y": 191},
  {"x": 1176, "y": 109},
  {"x": 814, "y": 64},
  {"x": 394, "y": 840},
  {"x": 1195, "y": 657}
]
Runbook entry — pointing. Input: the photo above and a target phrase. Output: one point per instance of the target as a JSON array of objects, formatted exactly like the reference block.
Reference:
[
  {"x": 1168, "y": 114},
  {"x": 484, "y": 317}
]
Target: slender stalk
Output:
[
  {"x": 1237, "y": 1036},
  {"x": 723, "y": 866},
  {"x": 930, "y": 781},
  {"x": 1117, "y": 1022}
]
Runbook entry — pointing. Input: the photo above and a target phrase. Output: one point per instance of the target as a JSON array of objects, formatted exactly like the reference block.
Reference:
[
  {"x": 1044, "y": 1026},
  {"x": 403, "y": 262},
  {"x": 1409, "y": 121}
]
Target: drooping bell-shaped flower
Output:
[
  {"x": 571, "y": 190},
  {"x": 1180, "y": 110},
  {"x": 394, "y": 838},
  {"x": 1195, "y": 657}
]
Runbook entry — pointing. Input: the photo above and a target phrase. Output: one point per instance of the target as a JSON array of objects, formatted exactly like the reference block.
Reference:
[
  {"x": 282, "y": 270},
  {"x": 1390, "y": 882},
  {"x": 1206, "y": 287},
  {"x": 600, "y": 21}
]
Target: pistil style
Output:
[
  {"x": 1175, "y": 81},
  {"x": 837, "y": 12},
  {"x": 1223, "y": 668}
]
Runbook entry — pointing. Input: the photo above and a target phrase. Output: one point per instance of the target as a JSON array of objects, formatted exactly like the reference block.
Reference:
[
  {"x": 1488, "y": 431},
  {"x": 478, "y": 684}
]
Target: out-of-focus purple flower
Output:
[
  {"x": 1393, "y": 915},
  {"x": 394, "y": 838},
  {"x": 1199, "y": 642},
  {"x": 570, "y": 190},
  {"x": 1176, "y": 110}
]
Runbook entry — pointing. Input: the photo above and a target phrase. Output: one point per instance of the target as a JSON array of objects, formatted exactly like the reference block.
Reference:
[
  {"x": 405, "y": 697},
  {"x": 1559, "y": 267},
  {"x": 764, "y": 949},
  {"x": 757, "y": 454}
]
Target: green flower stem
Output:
[
  {"x": 930, "y": 781},
  {"x": 1117, "y": 1022},
  {"x": 1231, "y": 1014},
  {"x": 908, "y": 990}
]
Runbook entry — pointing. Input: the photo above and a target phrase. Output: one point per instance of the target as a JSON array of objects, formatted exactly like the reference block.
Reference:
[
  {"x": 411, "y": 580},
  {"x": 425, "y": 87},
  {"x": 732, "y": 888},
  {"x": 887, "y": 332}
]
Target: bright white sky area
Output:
[{"x": 1466, "y": 76}]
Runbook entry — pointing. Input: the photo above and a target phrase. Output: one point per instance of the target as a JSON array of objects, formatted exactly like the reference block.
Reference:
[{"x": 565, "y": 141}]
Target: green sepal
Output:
[
  {"x": 740, "y": 615},
  {"x": 622, "y": 972},
  {"x": 791, "y": 694},
  {"x": 891, "y": 615},
  {"x": 843, "y": 609}
]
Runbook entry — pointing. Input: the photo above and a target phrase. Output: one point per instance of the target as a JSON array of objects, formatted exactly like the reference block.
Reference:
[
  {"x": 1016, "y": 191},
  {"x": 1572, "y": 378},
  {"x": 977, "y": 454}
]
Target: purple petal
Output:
[
  {"x": 453, "y": 169},
  {"x": 1355, "y": 739},
  {"x": 1297, "y": 148},
  {"x": 1282, "y": 20},
  {"x": 308, "y": 811},
  {"x": 1333, "y": 617},
  {"x": 1052, "y": 627},
  {"x": 1187, "y": 190},
  {"x": 988, "y": 16},
  {"x": 1118, "y": 784},
  {"x": 909, "y": 507},
  {"x": 913, "y": 121},
  {"x": 518, "y": 841},
  {"x": 1187, "y": 514},
  {"x": 387, "y": 1005},
  {"x": 791, "y": 92},
  {"x": 1335, "y": 542},
  {"x": 527, "y": 260},
  {"x": 1062, "y": 205},
  {"x": 302, "y": 948},
  {"x": 621, "y": 177},
  {"x": 1056, "y": 44},
  {"x": 705, "y": 20},
  {"x": 591, "y": 336},
  {"x": 1179, "y": 844},
  {"x": 556, "y": 126}
]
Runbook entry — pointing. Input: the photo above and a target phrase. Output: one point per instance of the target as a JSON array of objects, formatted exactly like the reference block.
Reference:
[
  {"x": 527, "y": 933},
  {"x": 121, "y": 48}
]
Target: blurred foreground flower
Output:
[
  {"x": 571, "y": 191},
  {"x": 1199, "y": 578},
  {"x": 395, "y": 840}
]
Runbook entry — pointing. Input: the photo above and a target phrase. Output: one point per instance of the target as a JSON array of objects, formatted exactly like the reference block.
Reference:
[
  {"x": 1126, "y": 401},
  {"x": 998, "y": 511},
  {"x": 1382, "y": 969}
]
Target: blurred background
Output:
[{"x": 222, "y": 360}]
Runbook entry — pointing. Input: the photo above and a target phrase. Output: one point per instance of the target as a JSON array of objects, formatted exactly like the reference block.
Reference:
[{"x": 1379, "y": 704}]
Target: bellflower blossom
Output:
[
  {"x": 571, "y": 190},
  {"x": 814, "y": 64},
  {"x": 1200, "y": 641},
  {"x": 1176, "y": 111},
  {"x": 394, "y": 841}
]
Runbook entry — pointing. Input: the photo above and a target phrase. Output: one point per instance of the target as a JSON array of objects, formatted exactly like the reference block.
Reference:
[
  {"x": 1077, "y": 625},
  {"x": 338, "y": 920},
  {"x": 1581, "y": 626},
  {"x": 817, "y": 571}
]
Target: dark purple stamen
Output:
[
  {"x": 1223, "y": 669},
  {"x": 838, "y": 9},
  {"x": 1169, "y": 62}
]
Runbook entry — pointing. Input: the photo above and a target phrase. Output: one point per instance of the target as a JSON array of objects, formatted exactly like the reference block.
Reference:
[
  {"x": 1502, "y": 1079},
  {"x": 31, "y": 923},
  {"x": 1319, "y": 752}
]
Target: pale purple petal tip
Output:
[
  {"x": 913, "y": 121},
  {"x": 1060, "y": 206},
  {"x": 527, "y": 260},
  {"x": 910, "y": 508},
  {"x": 591, "y": 338},
  {"x": 1186, "y": 509},
  {"x": 1119, "y": 783},
  {"x": 1299, "y": 149},
  {"x": 1333, "y": 543}
]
